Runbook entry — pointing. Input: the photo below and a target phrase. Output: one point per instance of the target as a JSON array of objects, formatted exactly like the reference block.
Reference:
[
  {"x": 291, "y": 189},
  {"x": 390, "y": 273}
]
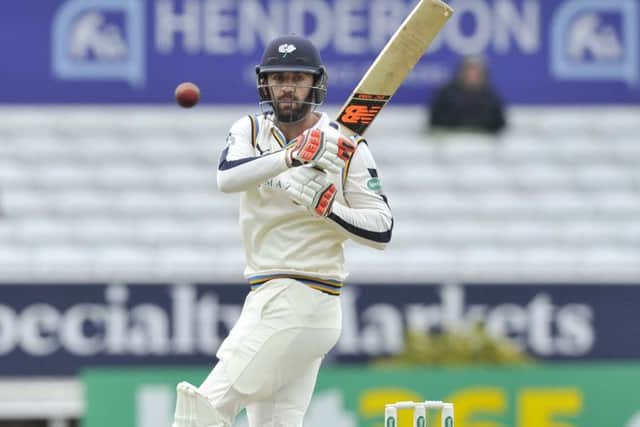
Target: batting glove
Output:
[
  {"x": 325, "y": 149},
  {"x": 310, "y": 187}
]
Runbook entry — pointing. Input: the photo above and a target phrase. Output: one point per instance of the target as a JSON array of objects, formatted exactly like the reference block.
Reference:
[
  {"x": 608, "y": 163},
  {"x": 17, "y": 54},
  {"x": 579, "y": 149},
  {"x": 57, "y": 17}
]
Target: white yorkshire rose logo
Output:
[{"x": 284, "y": 49}]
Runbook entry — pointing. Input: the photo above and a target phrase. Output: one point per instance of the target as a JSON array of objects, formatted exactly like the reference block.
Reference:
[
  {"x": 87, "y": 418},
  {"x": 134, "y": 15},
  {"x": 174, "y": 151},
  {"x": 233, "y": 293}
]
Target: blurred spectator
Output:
[{"x": 468, "y": 101}]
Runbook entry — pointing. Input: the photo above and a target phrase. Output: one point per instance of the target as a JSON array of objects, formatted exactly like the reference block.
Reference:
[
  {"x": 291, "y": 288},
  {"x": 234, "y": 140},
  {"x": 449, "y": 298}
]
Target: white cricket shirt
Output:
[{"x": 282, "y": 239}]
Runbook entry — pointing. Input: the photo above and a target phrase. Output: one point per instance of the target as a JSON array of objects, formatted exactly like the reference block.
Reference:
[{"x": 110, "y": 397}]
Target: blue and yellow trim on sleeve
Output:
[
  {"x": 331, "y": 287},
  {"x": 254, "y": 130},
  {"x": 279, "y": 137}
]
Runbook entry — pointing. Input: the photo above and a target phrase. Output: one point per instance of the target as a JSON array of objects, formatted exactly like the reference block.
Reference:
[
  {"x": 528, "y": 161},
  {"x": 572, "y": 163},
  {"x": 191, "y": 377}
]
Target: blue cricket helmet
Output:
[{"x": 292, "y": 54}]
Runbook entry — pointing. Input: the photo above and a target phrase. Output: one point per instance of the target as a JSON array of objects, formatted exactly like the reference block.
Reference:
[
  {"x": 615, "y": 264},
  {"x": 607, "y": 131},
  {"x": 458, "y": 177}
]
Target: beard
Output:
[{"x": 290, "y": 109}]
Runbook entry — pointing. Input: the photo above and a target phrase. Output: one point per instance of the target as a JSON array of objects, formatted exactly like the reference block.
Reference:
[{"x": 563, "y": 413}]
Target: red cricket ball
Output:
[{"x": 187, "y": 94}]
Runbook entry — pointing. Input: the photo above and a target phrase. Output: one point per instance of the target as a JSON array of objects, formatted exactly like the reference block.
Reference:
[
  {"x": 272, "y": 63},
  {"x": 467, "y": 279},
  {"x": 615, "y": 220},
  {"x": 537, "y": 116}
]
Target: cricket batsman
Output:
[{"x": 305, "y": 189}]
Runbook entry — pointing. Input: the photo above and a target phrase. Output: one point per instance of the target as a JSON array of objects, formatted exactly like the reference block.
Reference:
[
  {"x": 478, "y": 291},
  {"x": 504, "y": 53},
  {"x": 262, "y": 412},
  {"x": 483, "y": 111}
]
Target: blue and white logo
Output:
[
  {"x": 596, "y": 40},
  {"x": 100, "y": 40}
]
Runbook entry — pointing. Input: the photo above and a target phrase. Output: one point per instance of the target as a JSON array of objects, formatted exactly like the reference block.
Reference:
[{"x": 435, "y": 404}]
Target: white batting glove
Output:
[
  {"x": 310, "y": 187},
  {"x": 326, "y": 149}
]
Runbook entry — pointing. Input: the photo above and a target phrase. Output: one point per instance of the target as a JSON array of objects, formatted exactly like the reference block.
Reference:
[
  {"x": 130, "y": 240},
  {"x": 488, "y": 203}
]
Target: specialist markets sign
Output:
[{"x": 57, "y": 329}]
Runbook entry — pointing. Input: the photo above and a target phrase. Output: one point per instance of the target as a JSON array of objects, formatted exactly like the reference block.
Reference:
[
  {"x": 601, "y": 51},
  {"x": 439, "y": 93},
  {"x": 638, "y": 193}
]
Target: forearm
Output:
[
  {"x": 368, "y": 226},
  {"x": 246, "y": 173}
]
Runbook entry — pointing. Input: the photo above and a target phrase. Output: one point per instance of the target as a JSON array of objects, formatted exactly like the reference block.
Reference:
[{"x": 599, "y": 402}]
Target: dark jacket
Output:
[{"x": 456, "y": 107}]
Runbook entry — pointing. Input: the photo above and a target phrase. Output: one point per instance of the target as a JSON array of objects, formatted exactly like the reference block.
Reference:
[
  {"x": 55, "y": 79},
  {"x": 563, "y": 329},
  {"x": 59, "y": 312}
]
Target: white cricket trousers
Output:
[{"x": 270, "y": 360}]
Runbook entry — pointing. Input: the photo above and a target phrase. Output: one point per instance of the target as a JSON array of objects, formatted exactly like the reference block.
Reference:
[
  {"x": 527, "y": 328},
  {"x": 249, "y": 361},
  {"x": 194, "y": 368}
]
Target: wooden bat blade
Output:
[{"x": 393, "y": 64}]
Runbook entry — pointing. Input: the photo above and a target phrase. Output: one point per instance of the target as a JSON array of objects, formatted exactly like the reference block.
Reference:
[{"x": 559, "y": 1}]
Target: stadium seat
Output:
[
  {"x": 63, "y": 261},
  {"x": 18, "y": 203},
  {"x": 16, "y": 263},
  {"x": 120, "y": 196},
  {"x": 101, "y": 149},
  {"x": 143, "y": 203},
  {"x": 527, "y": 232},
  {"x": 561, "y": 205},
  {"x": 617, "y": 204},
  {"x": 479, "y": 262},
  {"x": 37, "y": 149},
  {"x": 548, "y": 262},
  {"x": 524, "y": 150},
  {"x": 610, "y": 262},
  {"x": 626, "y": 151},
  {"x": 577, "y": 151},
  {"x": 41, "y": 230},
  {"x": 480, "y": 177},
  {"x": 123, "y": 260},
  {"x": 7, "y": 232},
  {"x": 124, "y": 176},
  {"x": 65, "y": 175},
  {"x": 500, "y": 205},
  {"x": 541, "y": 177},
  {"x": 192, "y": 262},
  {"x": 82, "y": 202},
  {"x": 429, "y": 177},
  {"x": 185, "y": 176},
  {"x": 99, "y": 230},
  {"x": 14, "y": 174},
  {"x": 581, "y": 233},
  {"x": 463, "y": 148},
  {"x": 603, "y": 177}
]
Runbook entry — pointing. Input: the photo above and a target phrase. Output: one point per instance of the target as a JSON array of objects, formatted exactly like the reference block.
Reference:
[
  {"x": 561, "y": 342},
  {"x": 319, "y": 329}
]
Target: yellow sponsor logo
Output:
[{"x": 482, "y": 407}]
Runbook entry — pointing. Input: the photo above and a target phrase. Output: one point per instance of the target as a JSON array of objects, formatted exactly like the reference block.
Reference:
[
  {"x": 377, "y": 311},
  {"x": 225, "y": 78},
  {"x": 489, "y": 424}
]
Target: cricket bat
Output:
[{"x": 392, "y": 65}]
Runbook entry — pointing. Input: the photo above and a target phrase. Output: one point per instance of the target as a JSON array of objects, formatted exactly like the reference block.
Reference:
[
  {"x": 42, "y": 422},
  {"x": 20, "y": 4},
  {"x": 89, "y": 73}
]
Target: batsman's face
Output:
[{"x": 289, "y": 90}]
